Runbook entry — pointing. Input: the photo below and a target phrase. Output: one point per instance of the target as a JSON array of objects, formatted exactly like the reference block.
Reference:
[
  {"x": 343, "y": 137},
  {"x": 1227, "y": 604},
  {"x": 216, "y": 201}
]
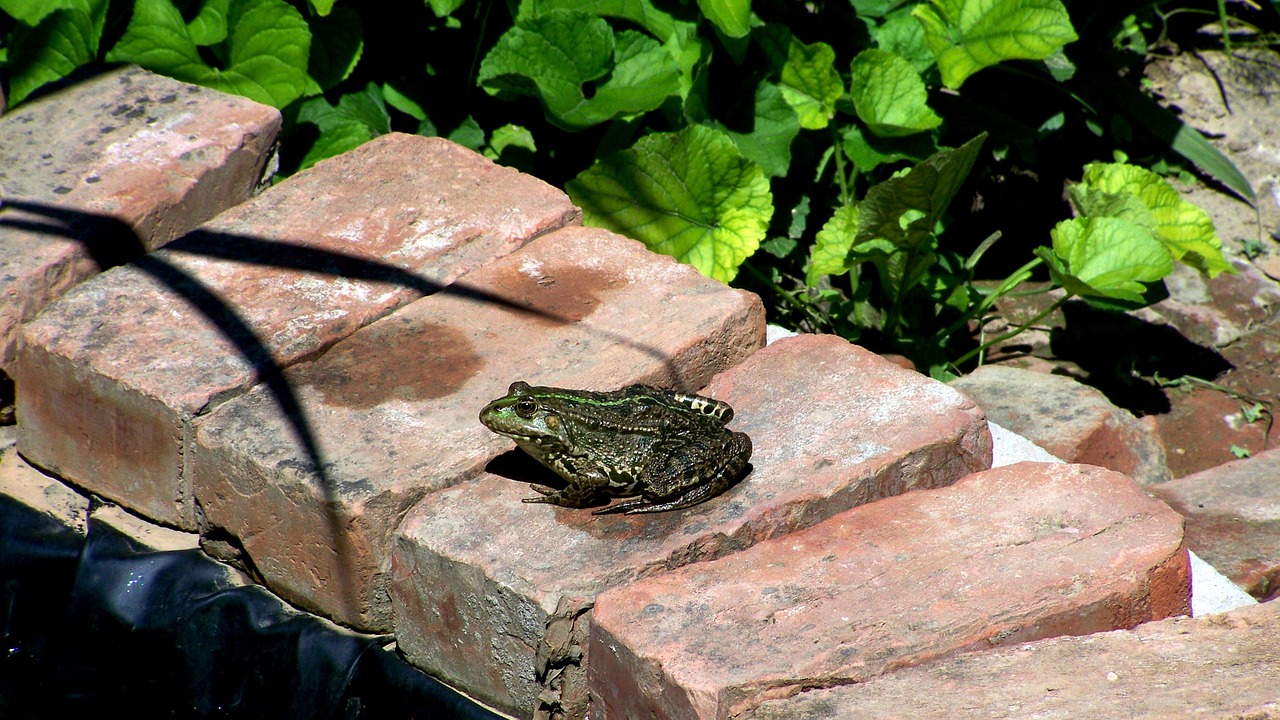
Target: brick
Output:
[
  {"x": 1069, "y": 419},
  {"x": 1221, "y": 666},
  {"x": 1233, "y": 519},
  {"x": 28, "y": 486},
  {"x": 483, "y": 584},
  {"x": 106, "y": 169},
  {"x": 1005, "y": 556},
  {"x": 115, "y": 372},
  {"x": 392, "y": 410}
]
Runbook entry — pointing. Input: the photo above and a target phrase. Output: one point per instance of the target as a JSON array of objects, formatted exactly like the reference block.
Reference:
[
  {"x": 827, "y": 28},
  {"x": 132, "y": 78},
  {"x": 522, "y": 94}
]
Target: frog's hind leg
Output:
[
  {"x": 737, "y": 447},
  {"x": 573, "y": 496}
]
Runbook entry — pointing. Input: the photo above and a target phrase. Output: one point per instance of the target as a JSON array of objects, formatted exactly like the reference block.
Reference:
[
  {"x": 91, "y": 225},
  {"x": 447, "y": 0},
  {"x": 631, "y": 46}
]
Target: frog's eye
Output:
[{"x": 526, "y": 407}]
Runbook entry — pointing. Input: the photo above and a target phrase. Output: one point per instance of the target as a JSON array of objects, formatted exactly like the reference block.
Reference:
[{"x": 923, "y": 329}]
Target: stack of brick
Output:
[{"x": 298, "y": 379}]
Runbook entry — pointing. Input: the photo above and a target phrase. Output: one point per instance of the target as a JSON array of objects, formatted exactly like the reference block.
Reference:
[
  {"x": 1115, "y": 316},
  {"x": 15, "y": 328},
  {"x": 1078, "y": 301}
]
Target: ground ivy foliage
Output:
[
  {"x": 689, "y": 194},
  {"x": 969, "y": 35},
  {"x": 682, "y": 124},
  {"x": 268, "y": 41}
]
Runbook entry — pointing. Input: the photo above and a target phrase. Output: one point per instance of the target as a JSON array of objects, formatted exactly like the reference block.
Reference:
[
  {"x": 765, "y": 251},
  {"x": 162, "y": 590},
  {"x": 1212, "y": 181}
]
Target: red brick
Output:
[
  {"x": 478, "y": 575},
  {"x": 1069, "y": 419},
  {"x": 1219, "y": 666},
  {"x": 114, "y": 373},
  {"x": 1233, "y": 519},
  {"x": 393, "y": 408},
  {"x": 1005, "y": 556},
  {"x": 156, "y": 156}
]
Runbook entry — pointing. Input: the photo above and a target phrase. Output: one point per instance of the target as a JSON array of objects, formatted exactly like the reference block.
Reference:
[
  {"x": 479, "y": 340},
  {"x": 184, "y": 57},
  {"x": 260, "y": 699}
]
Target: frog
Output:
[{"x": 661, "y": 449}]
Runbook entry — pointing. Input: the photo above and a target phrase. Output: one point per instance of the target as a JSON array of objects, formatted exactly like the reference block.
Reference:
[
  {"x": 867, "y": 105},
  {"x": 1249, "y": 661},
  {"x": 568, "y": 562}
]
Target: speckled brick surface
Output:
[
  {"x": 479, "y": 576},
  {"x": 1018, "y": 553},
  {"x": 114, "y": 372},
  {"x": 390, "y": 413}
]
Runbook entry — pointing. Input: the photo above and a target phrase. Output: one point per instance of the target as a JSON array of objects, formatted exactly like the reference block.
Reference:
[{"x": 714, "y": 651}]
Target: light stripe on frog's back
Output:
[{"x": 706, "y": 406}]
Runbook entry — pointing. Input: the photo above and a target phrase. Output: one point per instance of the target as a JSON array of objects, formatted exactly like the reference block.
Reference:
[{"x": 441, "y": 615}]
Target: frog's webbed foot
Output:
[{"x": 570, "y": 497}]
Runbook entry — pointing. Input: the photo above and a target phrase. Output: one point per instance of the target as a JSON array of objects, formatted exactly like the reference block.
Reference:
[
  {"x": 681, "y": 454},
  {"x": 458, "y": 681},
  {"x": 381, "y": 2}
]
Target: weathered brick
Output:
[
  {"x": 1233, "y": 519},
  {"x": 1069, "y": 419},
  {"x": 1004, "y": 556},
  {"x": 114, "y": 372},
  {"x": 391, "y": 411},
  {"x": 106, "y": 169},
  {"x": 1220, "y": 666},
  {"x": 483, "y": 584}
]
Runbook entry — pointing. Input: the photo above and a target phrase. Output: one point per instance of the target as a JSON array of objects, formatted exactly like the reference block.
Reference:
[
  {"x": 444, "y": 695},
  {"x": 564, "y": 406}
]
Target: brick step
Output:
[
  {"x": 493, "y": 595},
  {"x": 1233, "y": 519},
  {"x": 112, "y": 375},
  {"x": 104, "y": 170},
  {"x": 1005, "y": 556},
  {"x": 390, "y": 413},
  {"x": 1221, "y": 666}
]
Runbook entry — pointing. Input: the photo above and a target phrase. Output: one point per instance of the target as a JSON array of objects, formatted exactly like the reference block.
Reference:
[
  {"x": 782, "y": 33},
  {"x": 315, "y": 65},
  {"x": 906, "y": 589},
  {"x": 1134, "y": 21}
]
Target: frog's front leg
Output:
[{"x": 586, "y": 484}]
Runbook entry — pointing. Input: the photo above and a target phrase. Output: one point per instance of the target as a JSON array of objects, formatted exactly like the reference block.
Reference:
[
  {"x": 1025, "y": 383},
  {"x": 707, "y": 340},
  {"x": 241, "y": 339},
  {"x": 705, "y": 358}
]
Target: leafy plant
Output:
[{"x": 811, "y": 152}]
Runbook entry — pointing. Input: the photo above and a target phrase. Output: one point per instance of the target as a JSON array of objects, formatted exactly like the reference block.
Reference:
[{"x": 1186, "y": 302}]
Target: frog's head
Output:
[{"x": 526, "y": 416}]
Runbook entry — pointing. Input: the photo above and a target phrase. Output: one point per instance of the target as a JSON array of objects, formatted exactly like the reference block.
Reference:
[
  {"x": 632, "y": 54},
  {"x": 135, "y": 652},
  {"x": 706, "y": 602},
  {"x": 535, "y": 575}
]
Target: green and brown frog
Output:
[{"x": 666, "y": 450}]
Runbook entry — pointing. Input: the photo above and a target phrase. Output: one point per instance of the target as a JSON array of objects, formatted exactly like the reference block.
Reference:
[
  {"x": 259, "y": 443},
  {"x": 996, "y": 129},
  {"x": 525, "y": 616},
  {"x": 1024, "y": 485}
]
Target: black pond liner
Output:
[{"x": 98, "y": 626}]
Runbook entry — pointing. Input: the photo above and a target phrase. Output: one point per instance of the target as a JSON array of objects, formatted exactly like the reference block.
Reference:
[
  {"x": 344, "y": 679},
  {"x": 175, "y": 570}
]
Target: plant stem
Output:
[
  {"x": 841, "y": 180},
  {"x": 1015, "y": 331}
]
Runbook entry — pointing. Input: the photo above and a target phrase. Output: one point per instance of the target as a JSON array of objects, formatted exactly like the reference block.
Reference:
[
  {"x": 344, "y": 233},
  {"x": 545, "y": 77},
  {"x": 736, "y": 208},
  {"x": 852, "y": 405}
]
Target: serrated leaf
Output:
[
  {"x": 640, "y": 12},
  {"x": 689, "y": 194},
  {"x": 554, "y": 55},
  {"x": 1140, "y": 196},
  {"x": 969, "y": 35},
  {"x": 870, "y": 152},
  {"x": 905, "y": 208},
  {"x": 830, "y": 252},
  {"x": 269, "y": 43},
  {"x": 889, "y": 96},
  {"x": 731, "y": 17},
  {"x": 31, "y": 12},
  {"x": 209, "y": 26},
  {"x": 811, "y": 84},
  {"x": 774, "y": 127},
  {"x": 1105, "y": 257},
  {"x": 59, "y": 42},
  {"x": 902, "y": 35},
  {"x": 511, "y": 145},
  {"x": 356, "y": 119},
  {"x": 337, "y": 43}
]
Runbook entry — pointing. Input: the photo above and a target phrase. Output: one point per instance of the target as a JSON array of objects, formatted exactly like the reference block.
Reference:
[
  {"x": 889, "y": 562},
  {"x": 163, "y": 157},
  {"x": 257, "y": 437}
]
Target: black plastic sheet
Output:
[{"x": 98, "y": 626}]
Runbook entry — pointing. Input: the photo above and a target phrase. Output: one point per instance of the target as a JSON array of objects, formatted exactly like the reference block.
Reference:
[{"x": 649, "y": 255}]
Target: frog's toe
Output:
[
  {"x": 542, "y": 490},
  {"x": 626, "y": 506}
]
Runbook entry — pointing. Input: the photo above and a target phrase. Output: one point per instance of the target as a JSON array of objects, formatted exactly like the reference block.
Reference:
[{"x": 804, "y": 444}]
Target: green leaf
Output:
[
  {"x": 688, "y": 194},
  {"x": 889, "y": 96},
  {"x": 870, "y": 152},
  {"x": 554, "y": 55},
  {"x": 775, "y": 126},
  {"x": 731, "y": 17},
  {"x": 969, "y": 35},
  {"x": 511, "y": 145},
  {"x": 1105, "y": 257},
  {"x": 902, "y": 35},
  {"x": 905, "y": 208},
  {"x": 336, "y": 46},
  {"x": 402, "y": 101},
  {"x": 1140, "y": 196},
  {"x": 322, "y": 7},
  {"x": 209, "y": 26},
  {"x": 31, "y": 12},
  {"x": 358, "y": 118},
  {"x": 641, "y": 12},
  {"x": 444, "y": 8},
  {"x": 269, "y": 44},
  {"x": 60, "y": 42},
  {"x": 468, "y": 134},
  {"x": 830, "y": 252},
  {"x": 811, "y": 84}
]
